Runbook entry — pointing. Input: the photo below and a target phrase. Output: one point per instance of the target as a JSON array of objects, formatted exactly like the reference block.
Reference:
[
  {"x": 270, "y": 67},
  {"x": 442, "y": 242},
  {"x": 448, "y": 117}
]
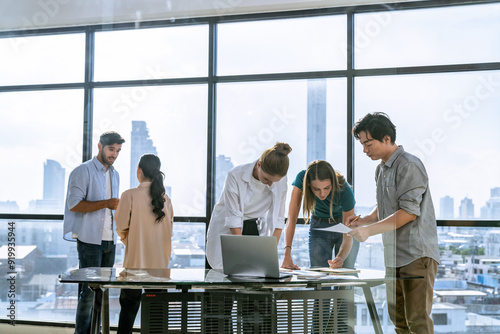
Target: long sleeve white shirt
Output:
[{"x": 229, "y": 212}]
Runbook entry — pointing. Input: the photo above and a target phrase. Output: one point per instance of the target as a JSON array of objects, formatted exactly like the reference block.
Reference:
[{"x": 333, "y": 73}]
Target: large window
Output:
[
  {"x": 41, "y": 136},
  {"x": 209, "y": 94},
  {"x": 306, "y": 114},
  {"x": 275, "y": 46},
  {"x": 155, "y": 53},
  {"x": 169, "y": 121},
  {"x": 447, "y": 132},
  {"x": 42, "y": 59},
  {"x": 469, "y": 34}
]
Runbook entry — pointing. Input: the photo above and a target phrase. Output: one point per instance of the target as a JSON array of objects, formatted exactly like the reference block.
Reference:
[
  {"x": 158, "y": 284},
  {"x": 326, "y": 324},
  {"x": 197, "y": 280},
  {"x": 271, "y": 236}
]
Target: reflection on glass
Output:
[
  {"x": 42, "y": 59},
  {"x": 447, "y": 121},
  {"x": 41, "y": 136},
  {"x": 469, "y": 34},
  {"x": 467, "y": 280},
  {"x": 42, "y": 255},
  {"x": 157, "y": 53},
  {"x": 309, "y": 115},
  {"x": 171, "y": 120},
  {"x": 291, "y": 45}
]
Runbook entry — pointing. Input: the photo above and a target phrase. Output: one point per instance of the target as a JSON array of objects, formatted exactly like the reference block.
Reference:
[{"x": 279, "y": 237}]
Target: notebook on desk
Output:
[{"x": 250, "y": 256}]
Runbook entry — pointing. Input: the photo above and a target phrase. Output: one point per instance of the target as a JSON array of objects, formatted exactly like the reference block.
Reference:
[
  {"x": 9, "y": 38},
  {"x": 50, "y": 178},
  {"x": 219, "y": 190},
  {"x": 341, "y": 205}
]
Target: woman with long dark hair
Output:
[{"x": 144, "y": 222}]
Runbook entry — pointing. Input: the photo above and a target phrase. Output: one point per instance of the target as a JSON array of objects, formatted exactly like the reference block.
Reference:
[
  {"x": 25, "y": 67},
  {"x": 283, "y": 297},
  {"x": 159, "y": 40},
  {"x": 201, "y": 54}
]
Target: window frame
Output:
[{"x": 212, "y": 80}]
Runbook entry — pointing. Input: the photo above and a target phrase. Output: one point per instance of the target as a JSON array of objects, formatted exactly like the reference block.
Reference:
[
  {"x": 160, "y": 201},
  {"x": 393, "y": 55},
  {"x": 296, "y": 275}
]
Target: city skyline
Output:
[{"x": 466, "y": 208}]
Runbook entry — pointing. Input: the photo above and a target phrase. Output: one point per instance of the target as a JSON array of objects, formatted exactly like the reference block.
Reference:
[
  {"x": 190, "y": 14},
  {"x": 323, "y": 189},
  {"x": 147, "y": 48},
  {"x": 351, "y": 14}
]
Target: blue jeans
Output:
[
  {"x": 324, "y": 246},
  {"x": 90, "y": 255}
]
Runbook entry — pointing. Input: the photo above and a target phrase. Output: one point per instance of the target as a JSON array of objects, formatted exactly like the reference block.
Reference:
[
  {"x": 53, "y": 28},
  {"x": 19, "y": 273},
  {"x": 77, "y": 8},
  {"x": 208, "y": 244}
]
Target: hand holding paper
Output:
[{"x": 339, "y": 228}]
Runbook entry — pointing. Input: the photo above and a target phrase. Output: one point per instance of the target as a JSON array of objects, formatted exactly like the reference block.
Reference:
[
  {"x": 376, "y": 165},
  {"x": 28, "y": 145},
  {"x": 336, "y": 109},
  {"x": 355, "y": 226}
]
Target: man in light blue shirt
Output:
[{"x": 92, "y": 197}]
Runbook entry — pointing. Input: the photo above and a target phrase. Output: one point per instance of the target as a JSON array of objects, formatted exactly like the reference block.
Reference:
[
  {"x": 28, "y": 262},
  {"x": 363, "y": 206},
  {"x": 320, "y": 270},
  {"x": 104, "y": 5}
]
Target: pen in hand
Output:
[{"x": 352, "y": 221}]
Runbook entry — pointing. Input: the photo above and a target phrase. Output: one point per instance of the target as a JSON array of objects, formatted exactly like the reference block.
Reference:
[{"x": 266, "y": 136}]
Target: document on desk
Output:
[
  {"x": 339, "y": 228},
  {"x": 304, "y": 273},
  {"x": 336, "y": 270}
]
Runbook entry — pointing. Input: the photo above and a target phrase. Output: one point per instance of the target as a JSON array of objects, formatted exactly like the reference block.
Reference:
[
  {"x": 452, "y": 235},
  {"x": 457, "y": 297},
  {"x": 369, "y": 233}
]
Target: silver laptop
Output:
[{"x": 250, "y": 256}]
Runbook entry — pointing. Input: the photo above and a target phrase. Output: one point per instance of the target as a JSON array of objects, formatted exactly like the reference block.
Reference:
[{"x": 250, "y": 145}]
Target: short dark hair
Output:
[
  {"x": 110, "y": 138},
  {"x": 378, "y": 125}
]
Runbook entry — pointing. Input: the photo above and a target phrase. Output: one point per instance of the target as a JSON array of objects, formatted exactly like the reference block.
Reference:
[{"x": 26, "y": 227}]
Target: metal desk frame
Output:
[{"x": 101, "y": 279}]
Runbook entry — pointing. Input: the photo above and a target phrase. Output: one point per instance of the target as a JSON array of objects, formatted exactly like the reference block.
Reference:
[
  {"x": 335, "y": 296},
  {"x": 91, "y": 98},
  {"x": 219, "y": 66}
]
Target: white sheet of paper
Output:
[{"x": 340, "y": 228}]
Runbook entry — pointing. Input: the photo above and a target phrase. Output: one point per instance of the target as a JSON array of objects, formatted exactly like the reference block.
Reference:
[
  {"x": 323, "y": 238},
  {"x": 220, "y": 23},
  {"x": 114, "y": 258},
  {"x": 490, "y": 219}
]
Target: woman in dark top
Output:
[{"x": 327, "y": 200}]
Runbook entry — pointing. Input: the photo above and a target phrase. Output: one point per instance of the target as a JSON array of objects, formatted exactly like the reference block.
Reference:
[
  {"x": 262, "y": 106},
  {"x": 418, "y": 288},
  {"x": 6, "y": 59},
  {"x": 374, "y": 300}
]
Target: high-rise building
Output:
[
  {"x": 140, "y": 144},
  {"x": 53, "y": 189},
  {"x": 495, "y": 192},
  {"x": 223, "y": 165},
  {"x": 492, "y": 208},
  {"x": 466, "y": 209},
  {"x": 53, "y": 181},
  {"x": 446, "y": 207},
  {"x": 316, "y": 119}
]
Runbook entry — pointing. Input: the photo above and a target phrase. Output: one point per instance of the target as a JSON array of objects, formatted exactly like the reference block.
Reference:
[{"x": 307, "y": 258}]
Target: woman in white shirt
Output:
[{"x": 252, "y": 201}]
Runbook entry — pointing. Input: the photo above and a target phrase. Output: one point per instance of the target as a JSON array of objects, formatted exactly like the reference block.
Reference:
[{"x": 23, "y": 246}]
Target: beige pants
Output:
[{"x": 409, "y": 302}]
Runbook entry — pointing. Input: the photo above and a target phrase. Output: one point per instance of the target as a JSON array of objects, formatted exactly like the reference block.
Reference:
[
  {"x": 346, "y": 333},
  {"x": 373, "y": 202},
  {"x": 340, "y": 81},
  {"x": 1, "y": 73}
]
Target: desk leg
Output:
[
  {"x": 105, "y": 311},
  {"x": 372, "y": 309},
  {"x": 96, "y": 311}
]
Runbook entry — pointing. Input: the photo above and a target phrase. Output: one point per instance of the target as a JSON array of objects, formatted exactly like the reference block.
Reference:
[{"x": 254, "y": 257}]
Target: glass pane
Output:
[
  {"x": 469, "y": 34},
  {"x": 41, "y": 136},
  {"x": 168, "y": 121},
  {"x": 465, "y": 286},
  {"x": 42, "y": 59},
  {"x": 151, "y": 53},
  {"x": 291, "y": 45},
  {"x": 300, "y": 246},
  {"x": 252, "y": 117},
  {"x": 450, "y": 121},
  {"x": 188, "y": 251},
  {"x": 41, "y": 255},
  {"x": 188, "y": 245}
]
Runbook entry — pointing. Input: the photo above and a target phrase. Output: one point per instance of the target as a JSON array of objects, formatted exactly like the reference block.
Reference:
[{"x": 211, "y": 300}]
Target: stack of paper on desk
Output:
[
  {"x": 305, "y": 273},
  {"x": 336, "y": 270}
]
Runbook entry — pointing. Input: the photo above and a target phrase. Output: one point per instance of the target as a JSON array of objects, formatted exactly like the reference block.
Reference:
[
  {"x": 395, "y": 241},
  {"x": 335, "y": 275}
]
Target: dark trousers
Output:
[
  {"x": 250, "y": 227},
  {"x": 90, "y": 255},
  {"x": 130, "y": 301}
]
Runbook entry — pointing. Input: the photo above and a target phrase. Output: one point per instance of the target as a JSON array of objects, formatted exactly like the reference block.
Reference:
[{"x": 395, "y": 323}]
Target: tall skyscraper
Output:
[
  {"x": 140, "y": 144},
  {"x": 316, "y": 119},
  {"x": 492, "y": 208},
  {"x": 53, "y": 189},
  {"x": 466, "y": 209},
  {"x": 223, "y": 165},
  {"x": 53, "y": 182},
  {"x": 495, "y": 192},
  {"x": 446, "y": 208}
]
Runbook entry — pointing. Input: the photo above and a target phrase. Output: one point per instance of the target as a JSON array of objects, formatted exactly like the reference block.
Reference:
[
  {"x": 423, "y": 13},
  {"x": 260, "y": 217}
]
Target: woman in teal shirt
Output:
[{"x": 328, "y": 200}]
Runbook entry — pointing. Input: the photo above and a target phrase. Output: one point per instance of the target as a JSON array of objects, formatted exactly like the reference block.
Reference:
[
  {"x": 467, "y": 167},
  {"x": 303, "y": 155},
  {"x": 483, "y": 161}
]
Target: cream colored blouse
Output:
[{"x": 148, "y": 244}]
